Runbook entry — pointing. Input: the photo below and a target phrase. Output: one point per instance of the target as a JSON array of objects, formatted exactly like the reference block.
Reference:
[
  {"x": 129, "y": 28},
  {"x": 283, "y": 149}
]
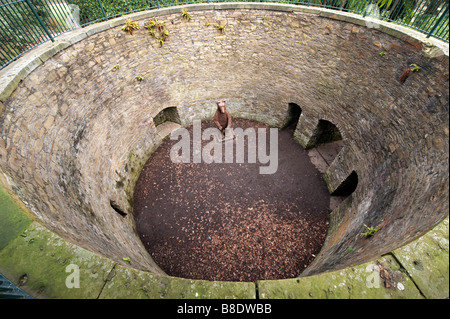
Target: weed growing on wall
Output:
[
  {"x": 130, "y": 26},
  {"x": 157, "y": 29},
  {"x": 186, "y": 15},
  {"x": 370, "y": 231}
]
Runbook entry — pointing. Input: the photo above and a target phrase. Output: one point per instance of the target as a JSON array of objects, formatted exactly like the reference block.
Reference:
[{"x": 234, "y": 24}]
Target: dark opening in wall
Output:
[
  {"x": 348, "y": 186},
  {"x": 117, "y": 208},
  {"x": 344, "y": 190},
  {"x": 324, "y": 145},
  {"x": 293, "y": 114},
  {"x": 327, "y": 132},
  {"x": 169, "y": 114}
]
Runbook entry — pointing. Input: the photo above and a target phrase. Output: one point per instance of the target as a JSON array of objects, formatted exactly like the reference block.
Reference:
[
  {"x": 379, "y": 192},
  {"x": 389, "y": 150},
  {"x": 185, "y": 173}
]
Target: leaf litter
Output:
[{"x": 227, "y": 222}]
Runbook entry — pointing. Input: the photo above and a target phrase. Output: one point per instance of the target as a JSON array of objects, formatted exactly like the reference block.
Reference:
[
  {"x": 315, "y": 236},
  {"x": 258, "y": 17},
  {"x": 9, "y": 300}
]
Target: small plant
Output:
[
  {"x": 116, "y": 67},
  {"x": 370, "y": 231},
  {"x": 154, "y": 23},
  {"x": 160, "y": 24},
  {"x": 139, "y": 78},
  {"x": 152, "y": 32},
  {"x": 164, "y": 34},
  {"x": 153, "y": 26},
  {"x": 382, "y": 53},
  {"x": 130, "y": 26},
  {"x": 186, "y": 15},
  {"x": 219, "y": 27},
  {"x": 150, "y": 24},
  {"x": 207, "y": 24},
  {"x": 414, "y": 67},
  {"x": 126, "y": 259}
]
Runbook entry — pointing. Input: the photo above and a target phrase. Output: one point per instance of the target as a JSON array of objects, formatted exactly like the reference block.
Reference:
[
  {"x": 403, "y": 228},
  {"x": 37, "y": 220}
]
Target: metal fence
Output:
[{"x": 25, "y": 24}]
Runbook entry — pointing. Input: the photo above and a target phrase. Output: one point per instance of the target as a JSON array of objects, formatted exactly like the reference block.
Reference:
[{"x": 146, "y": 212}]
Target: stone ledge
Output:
[
  {"x": 426, "y": 261},
  {"x": 134, "y": 284},
  {"x": 12, "y": 220},
  {"x": 165, "y": 129},
  {"x": 361, "y": 282},
  {"x": 37, "y": 261}
]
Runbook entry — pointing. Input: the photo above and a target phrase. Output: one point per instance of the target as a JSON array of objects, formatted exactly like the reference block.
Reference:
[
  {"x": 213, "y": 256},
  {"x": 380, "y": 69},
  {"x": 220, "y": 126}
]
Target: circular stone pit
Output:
[
  {"x": 75, "y": 132},
  {"x": 228, "y": 222}
]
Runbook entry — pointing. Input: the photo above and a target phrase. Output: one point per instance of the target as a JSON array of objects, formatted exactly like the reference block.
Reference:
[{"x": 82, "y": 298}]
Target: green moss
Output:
[
  {"x": 426, "y": 260},
  {"x": 362, "y": 282},
  {"x": 133, "y": 284},
  {"x": 38, "y": 262},
  {"x": 12, "y": 220}
]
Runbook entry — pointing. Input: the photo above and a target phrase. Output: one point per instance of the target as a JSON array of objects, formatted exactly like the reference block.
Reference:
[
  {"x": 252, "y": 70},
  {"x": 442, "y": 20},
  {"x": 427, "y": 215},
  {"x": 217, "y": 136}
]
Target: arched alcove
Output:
[
  {"x": 169, "y": 114},
  {"x": 292, "y": 116}
]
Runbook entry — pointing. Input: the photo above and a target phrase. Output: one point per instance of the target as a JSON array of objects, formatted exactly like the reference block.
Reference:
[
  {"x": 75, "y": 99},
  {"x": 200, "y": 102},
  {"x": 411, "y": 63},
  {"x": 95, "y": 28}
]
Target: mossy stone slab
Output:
[
  {"x": 427, "y": 261},
  {"x": 381, "y": 279},
  {"x": 12, "y": 220},
  {"x": 44, "y": 265},
  {"x": 134, "y": 284}
]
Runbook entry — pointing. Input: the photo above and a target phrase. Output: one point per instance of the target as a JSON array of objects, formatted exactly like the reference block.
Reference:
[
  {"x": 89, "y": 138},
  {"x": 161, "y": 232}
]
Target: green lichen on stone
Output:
[
  {"x": 134, "y": 284},
  {"x": 38, "y": 262}
]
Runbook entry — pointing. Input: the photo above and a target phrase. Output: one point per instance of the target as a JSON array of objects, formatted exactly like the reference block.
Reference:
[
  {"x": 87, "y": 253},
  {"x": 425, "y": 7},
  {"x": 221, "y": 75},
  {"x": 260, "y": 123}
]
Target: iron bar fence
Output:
[{"x": 25, "y": 24}]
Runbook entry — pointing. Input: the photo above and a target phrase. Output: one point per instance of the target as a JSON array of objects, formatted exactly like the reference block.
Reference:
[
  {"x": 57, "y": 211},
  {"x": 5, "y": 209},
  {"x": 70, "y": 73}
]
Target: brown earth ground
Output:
[{"x": 227, "y": 222}]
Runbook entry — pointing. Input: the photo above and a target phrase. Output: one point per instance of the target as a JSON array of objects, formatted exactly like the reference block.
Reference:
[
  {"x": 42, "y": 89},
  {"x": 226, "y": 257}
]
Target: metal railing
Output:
[
  {"x": 8, "y": 290},
  {"x": 25, "y": 24}
]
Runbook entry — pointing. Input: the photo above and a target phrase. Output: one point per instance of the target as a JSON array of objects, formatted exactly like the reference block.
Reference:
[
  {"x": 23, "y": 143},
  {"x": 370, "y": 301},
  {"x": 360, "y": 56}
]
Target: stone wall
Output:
[{"x": 77, "y": 130}]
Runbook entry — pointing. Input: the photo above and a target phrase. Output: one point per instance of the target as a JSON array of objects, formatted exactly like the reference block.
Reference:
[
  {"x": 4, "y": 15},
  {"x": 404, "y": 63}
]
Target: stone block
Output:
[
  {"x": 166, "y": 128},
  {"x": 48, "y": 50},
  {"x": 427, "y": 261},
  {"x": 128, "y": 283},
  {"x": 96, "y": 28},
  {"x": 379, "y": 279},
  {"x": 74, "y": 36},
  {"x": 8, "y": 84}
]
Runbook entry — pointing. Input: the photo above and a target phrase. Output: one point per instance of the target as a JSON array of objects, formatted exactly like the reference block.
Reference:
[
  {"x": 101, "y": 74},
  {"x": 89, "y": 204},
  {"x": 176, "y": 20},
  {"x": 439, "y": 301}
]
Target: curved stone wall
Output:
[{"x": 77, "y": 130}]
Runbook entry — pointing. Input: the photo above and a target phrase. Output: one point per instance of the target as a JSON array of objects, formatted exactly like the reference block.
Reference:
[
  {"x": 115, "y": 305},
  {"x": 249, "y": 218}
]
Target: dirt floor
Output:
[{"x": 228, "y": 222}]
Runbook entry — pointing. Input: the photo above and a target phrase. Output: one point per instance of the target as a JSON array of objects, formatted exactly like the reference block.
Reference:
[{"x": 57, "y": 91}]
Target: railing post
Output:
[
  {"x": 157, "y": 3},
  {"x": 103, "y": 10},
  {"x": 437, "y": 23},
  {"x": 40, "y": 20}
]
